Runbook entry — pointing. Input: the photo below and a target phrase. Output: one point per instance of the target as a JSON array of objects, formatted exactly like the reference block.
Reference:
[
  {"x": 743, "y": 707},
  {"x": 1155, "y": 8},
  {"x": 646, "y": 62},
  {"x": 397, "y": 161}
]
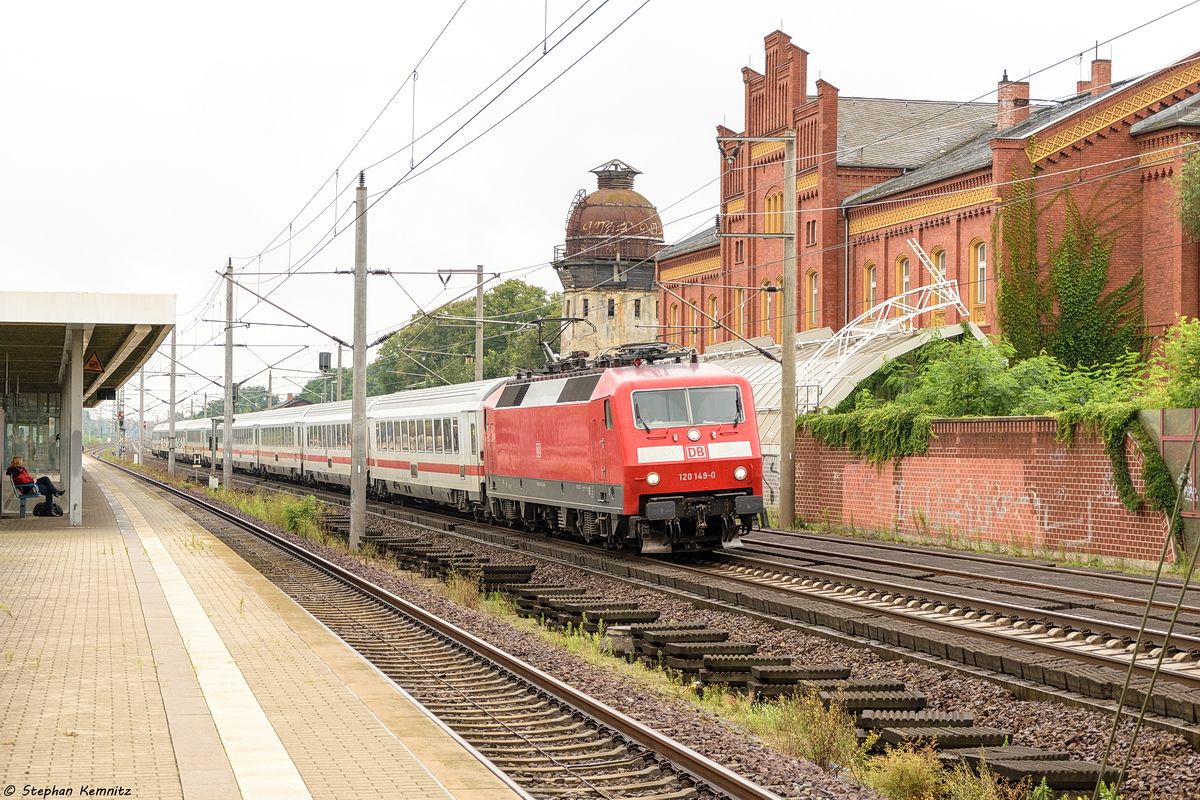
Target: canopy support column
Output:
[{"x": 71, "y": 441}]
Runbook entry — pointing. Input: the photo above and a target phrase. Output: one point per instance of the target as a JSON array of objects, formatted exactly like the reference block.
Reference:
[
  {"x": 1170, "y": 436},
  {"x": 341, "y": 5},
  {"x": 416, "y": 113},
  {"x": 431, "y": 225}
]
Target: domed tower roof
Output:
[{"x": 614, "y": 221}]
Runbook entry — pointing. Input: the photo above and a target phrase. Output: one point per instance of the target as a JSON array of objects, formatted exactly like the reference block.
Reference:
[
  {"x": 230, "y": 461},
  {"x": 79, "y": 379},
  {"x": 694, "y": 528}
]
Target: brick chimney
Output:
[
  {"x": 1013, "y": 107},
  {"x": 1101, "y": 78}
]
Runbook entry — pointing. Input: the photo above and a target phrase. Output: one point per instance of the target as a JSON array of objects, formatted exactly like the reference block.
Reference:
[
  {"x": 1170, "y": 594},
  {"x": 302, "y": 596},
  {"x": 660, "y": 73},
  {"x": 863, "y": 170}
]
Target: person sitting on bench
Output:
[{"x": 27, "y": 484}]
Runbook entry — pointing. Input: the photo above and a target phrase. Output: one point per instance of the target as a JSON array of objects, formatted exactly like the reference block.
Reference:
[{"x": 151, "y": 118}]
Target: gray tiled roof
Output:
[
  {"x": 975, "y": 153},
  {"x": 698, "y": 241},
  {"x": 874, "y": 132},
  {"x": 1186, "y": 113}
]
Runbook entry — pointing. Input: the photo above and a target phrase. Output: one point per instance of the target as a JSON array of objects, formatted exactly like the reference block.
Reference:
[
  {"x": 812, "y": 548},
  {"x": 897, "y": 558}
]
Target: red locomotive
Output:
[
  {"x": 640, "y": 449},
  {"x": 643, "y": 450}
]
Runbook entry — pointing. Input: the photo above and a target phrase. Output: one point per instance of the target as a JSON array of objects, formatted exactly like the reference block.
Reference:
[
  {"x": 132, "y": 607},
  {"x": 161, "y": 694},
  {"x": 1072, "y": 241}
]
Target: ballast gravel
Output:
[{"x": 1162, "y": 767}]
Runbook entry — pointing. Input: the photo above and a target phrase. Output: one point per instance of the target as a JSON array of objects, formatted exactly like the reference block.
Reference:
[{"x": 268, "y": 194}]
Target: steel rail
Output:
[
  {"x": 774, "y": 549},
  {"x": 988, "y": 605},
  {"x": 684, "y": 758},
  {"x": 953, "y": 599},
  {"x": 954, "y": 555},
  {"x": 1099, "y": 659}
]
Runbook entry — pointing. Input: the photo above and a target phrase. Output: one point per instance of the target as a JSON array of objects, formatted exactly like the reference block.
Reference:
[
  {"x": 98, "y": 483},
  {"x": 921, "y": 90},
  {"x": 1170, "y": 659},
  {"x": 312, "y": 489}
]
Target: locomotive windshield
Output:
[{"x": 703, "y": 405}]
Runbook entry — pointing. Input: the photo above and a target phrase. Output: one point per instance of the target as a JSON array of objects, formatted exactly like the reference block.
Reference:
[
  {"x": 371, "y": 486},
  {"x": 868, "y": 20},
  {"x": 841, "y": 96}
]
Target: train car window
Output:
[
  {"x": 715, "y": 405},
  {"x": 428, "y": 436},
  {"x": 660, "y": 408},
  {"x": 456, "y": 436},
  {"x": 608, "y": 420},
  {"x": 474, "y": 448},
  {"x": 420, "y": 436},
  {"x": 437, "y": 436}
]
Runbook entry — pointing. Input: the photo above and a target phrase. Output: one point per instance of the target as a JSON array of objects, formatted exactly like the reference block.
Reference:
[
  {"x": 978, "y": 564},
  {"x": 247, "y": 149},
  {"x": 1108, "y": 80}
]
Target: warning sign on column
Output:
[{"x": 92, "y": 364}]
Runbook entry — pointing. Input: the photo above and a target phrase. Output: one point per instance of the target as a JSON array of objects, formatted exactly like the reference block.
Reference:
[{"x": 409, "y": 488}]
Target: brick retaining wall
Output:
[{"x": 1003, "y": 480}]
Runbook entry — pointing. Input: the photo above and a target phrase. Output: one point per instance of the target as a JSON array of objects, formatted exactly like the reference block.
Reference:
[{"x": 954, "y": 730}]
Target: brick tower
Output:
[{"x": 607, "y": 264}]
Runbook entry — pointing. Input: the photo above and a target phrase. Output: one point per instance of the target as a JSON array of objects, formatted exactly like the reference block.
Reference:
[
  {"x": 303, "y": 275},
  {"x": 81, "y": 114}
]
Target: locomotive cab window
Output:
[
  {"x": 702, "y": 405},
  {"x": 608, "y": 418}
]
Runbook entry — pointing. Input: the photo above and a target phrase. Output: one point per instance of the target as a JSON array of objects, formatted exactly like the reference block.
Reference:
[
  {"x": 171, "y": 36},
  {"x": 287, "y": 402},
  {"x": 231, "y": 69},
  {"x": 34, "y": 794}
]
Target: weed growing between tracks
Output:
[{"x": 799, "y": 726}]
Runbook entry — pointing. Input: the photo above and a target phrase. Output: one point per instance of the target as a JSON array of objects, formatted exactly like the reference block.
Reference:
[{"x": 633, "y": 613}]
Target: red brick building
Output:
[{"x": 874, "y": 173}]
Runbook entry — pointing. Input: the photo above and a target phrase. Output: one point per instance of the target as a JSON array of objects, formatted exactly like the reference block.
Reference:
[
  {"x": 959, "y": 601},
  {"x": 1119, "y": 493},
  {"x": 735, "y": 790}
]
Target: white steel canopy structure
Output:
[
  {"x": 829, "y": 366},
  {"x": 62, "y": 352}
]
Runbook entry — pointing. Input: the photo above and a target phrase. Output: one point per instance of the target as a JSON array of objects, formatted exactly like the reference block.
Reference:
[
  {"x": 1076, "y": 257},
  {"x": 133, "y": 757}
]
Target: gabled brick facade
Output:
[{"x": 872, "y": 174}]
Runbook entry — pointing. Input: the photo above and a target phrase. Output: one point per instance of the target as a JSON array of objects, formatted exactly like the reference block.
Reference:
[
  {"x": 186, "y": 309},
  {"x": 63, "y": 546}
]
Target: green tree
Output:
[
  {"x": 1175, "y": 370},
  {"x": 1187, "y": 184},
  {"x": 323, "y": 389},
  {"x": 428, "y": 353}
]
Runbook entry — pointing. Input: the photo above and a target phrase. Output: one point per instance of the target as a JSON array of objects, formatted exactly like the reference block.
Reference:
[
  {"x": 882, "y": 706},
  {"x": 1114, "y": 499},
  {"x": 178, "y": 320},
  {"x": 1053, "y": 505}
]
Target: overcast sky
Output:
[{"x": 146, "y": 142}]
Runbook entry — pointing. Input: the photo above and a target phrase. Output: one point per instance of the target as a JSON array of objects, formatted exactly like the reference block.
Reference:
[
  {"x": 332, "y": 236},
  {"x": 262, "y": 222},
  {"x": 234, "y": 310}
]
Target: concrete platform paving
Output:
[{"x": 139, "y": 653}]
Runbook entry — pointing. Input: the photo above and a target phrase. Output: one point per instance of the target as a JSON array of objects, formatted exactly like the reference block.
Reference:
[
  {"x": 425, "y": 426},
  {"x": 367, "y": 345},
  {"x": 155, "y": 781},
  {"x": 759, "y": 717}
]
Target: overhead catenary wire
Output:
[{"x": 694, "y": 192}]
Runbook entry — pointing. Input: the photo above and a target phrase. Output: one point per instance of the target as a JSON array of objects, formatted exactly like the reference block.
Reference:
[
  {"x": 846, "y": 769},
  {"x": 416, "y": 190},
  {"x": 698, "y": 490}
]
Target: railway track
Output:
[
  {"x": 551, "y": 739},
  {"x": 1007, "y": 571},
  {"x": 1051, "y": 628}
]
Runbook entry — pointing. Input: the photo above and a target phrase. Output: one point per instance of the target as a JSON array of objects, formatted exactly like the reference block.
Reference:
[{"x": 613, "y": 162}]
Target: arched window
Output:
[
  {"x": 979, "y": 282},
  {"x": 870, "y": 287},
  {"x": 712, "y": 323},
  {"x": 739, "y": 313},
  {"x": 903, "y": 274},
  {"x": 768, "y": 308},
  {"x": 773, "y": 213},
  {"x": 780, "y": 318},
  {"x": 695, "y": 324},
  {"x": 812, "y": 300},
  {"x": 938, "y": 256},
  {"x": 673, "y": 330}
]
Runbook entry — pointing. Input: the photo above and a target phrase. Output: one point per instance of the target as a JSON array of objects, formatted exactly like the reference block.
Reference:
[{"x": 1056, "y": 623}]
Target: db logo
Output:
[{"x": 695, "y": 451}]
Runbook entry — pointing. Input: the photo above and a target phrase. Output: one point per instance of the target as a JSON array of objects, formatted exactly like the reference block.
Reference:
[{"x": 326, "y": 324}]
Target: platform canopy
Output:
[
  {"x": 61, "y": 352},
  {"x": 120, "y": 332}
]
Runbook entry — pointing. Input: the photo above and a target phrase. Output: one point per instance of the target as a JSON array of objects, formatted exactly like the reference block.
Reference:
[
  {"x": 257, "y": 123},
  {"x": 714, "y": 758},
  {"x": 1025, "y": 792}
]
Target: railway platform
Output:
[{"x": 140, "y": 657}]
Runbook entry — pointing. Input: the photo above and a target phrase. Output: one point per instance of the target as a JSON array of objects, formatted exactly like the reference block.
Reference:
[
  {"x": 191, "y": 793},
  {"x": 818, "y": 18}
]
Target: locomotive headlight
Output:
[
  {"x": 694, "y": 435},
  {"x": 739, "y": 473},
  {"x": 652, "y": 479}
]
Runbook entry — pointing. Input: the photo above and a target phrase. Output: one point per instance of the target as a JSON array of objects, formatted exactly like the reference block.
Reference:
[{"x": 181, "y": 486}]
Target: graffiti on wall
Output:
[{"x": 998, "y": 502}]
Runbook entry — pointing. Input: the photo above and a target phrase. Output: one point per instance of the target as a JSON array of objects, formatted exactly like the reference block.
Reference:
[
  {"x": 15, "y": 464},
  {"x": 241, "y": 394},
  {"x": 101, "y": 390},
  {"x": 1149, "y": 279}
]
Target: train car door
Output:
[
  {"x": 597, "y": 437},
  {"x": 464, "y": 442},
  {"x": 601, "y": 433}
]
